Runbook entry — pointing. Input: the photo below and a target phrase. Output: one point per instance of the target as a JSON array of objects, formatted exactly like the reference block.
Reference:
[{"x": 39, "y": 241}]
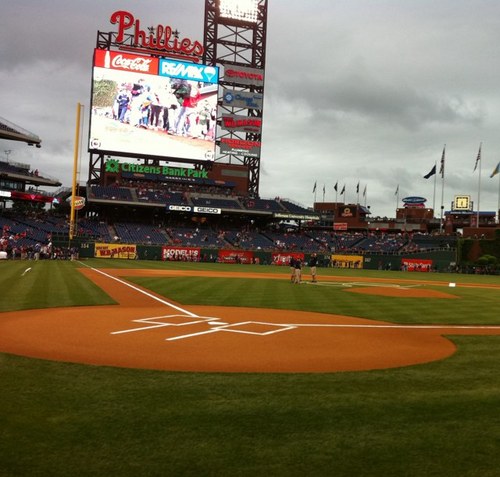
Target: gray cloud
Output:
[{"x": 362, "y": 91}]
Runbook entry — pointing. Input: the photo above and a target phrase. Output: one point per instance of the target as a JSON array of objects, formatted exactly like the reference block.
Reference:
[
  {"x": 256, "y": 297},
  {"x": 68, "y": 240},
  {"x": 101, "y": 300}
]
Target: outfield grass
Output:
[{"x": 59, "y": 419}]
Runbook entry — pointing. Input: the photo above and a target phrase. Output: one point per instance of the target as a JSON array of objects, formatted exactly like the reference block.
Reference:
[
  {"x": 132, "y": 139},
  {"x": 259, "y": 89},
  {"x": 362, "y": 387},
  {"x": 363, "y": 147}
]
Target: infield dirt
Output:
[{"x": 148, "y": 331}]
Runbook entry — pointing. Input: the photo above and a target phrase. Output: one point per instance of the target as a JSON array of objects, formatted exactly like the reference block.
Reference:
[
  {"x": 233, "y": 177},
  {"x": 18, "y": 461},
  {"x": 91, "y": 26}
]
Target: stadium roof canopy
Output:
[{"x": 13, "y": 132}]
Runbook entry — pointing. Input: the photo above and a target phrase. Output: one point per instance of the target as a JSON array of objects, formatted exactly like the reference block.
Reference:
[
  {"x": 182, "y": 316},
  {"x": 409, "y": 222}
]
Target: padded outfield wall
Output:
[{"x": 441, "y": 261}]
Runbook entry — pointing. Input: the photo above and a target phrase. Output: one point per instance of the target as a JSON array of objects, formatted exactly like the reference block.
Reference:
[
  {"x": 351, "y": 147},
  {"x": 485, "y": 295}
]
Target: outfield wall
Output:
[{"x": 442, "y": 261}]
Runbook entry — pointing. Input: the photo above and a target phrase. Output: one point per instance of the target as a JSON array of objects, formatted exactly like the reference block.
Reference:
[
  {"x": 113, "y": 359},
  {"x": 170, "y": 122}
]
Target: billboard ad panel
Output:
[
  {"x": 248, "y": 124},
  {"x": 242, "y": 99},
  {"x": 181, "y": 254},
  {"x": 283, "y": 259},
  {"x": 147, "y": 106},
  {"x": 416, "y": 264},
  {"x": 109, "y": 250},
  {"x": 240, "y": 146},
  {"x": 235, "y": 256},
  {"x": 244, "y": 75}
]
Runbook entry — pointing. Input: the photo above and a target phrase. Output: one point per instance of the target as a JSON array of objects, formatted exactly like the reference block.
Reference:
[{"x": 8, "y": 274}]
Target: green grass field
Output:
[{"x": 437, "y": 419}]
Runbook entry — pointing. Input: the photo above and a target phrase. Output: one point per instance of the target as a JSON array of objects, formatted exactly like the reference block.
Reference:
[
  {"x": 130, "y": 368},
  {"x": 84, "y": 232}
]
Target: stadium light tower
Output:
[
  {"x": 243, "y": 10},
  {"x": 235, "y": 40}
]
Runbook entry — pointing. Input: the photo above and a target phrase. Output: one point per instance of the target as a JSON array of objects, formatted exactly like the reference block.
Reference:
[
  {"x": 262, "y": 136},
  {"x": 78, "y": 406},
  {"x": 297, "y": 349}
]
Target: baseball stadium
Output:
[{"x": 165, "y": 319}]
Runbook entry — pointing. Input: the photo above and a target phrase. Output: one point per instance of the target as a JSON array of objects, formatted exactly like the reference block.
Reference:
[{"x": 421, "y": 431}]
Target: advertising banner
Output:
[
  {"x": 235, "y": 256},
  {"x": 241, "y": 99},
  {"x": 347, "y": 261},
  {"x": 188, "y": 71},
  {"x": 181, "y": 254},
  {"x": 111, "y": 250},
  {"x": 248, "y": 124},
  {"x": 416, "y": 264},
  {"x": 283, "y": 259},
  {"x": 340, "y": 226},
  {"x": 244, "y": 75},
  {"x": 240, "y": 146}
]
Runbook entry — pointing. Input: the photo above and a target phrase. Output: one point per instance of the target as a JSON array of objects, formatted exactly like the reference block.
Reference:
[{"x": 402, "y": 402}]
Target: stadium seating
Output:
[
  {"x": 139, "y": 234},
  {"x": 248, "y": 240},
  {"x": 198, "y": 237}
]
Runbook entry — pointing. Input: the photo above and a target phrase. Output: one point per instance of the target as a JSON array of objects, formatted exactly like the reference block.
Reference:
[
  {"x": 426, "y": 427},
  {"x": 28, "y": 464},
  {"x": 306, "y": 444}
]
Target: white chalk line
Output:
[
  {"x": 361, "y": 284},
  {"x": 164, "y": 302},
  {"x": 281, "y": 327}
]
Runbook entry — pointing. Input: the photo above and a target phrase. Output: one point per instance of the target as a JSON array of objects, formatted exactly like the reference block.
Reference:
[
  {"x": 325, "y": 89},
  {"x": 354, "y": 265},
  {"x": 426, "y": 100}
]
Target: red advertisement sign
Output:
[
  {"x": 180, "y": 254},
  {"x": 284, "y": 258},
  {"x": 416, "y": 264},
  {"x": 234, "y": 122},
  {"x": 235, "y": 256},
  {"x": 116, "y": 60},
  {"x": 240, "y": 146},
  {"x": 340, "y": 226},
  {"x": 244, "y": 75}
]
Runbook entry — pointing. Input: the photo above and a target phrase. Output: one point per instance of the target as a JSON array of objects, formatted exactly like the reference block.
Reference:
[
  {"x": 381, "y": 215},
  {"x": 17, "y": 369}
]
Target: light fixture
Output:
[{"x": 241, "y": 10}]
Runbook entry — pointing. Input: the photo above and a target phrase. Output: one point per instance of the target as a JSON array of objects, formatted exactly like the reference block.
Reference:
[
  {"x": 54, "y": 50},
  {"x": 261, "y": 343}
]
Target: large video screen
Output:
[{"x": 149, "y": 106}]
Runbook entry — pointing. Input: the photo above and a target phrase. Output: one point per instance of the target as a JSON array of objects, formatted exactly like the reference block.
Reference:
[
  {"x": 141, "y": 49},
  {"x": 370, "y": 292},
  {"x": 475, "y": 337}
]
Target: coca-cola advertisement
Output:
[{"x": 142, "y": 105}]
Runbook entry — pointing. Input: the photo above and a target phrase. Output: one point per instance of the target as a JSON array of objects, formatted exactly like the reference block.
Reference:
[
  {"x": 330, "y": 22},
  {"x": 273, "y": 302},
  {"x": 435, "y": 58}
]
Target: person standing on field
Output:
[
  {"x": 292, "y": 269},
  {"x": 313, "y": 263},
  {"x": 298, "y": 271}
]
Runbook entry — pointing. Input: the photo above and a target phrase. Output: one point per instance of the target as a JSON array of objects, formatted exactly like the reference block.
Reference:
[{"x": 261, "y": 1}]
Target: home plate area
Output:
[{"x": 213, "y": 325}]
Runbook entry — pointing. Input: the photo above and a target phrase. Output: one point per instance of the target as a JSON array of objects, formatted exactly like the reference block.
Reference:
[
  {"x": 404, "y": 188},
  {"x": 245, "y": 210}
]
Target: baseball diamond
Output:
[{"x": 148, "y": 331}]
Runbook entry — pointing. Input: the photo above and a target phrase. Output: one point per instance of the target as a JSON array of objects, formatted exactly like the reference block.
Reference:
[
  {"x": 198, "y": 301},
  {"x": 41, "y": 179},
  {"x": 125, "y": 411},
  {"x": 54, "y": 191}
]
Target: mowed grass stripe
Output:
[
  {"x": 47, "y": 284},
  {"x": 472, "y": 305}
]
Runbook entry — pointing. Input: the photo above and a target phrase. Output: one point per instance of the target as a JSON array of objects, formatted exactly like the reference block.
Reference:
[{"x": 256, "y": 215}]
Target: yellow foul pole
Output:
[{"x": 75, "y": 170}]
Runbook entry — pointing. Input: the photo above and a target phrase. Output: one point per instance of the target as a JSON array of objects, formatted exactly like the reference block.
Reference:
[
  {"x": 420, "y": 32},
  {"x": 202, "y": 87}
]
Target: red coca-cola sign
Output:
[{"x": 126, "y": 62}]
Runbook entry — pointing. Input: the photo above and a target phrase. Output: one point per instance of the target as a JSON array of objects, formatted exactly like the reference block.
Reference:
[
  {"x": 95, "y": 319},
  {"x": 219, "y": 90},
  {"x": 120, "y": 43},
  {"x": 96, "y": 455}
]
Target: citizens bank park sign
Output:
[{"x": 115, "y": 167}]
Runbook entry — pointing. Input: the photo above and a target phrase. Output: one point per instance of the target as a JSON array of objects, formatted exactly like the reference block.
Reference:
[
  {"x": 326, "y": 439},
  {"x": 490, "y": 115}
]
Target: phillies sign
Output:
[{"x": 161, "y": 39}]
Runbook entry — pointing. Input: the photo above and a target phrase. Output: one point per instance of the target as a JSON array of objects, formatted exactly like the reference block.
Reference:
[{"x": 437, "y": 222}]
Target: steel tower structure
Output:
[{"x": 236, "y": 37}]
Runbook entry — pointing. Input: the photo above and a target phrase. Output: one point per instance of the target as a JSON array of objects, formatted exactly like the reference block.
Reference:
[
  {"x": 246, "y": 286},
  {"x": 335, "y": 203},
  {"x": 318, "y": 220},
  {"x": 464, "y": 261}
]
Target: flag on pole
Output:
[
  {"x": 343, "y": 190},
  {"x": 335, "y": 187},
  {"x": 357, "y": 188},
  {"x": 496, "y": 170},
  {"x": 314, "y": 188},
  {"x": 323, "y": 189},
  {"x": 431, "y": 172},
  {"x": 397, "y": 190},
  {"x": 364, "y": 192},
  {"x": 478, "y": 158},
  {"x": 441, "y": 169}
]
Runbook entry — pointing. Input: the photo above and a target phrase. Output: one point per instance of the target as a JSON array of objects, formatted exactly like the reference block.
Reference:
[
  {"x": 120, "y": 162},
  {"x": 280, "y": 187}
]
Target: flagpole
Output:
[
  {"x": 498, "y": 204},
  {"x": 397, "y": 200},
  {"x": 323, "y": 192},
  {"x": 434, "y": 194},
  {"x": 479, "y": 185},
  {"x": 442, "y": 190}
]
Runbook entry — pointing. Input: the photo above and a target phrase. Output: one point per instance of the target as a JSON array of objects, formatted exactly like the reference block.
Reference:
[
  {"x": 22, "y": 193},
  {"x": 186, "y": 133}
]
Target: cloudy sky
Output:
[{"x": 366, "y": 91}]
